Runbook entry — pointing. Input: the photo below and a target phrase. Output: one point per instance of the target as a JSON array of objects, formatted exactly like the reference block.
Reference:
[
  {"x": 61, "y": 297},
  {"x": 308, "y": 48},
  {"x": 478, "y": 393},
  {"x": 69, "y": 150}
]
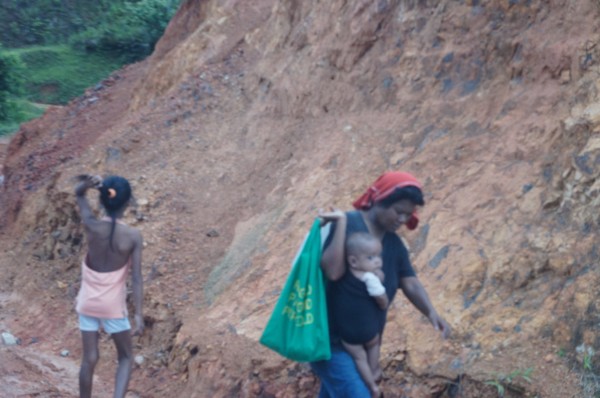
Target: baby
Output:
[{"x": 363, "y": 253}]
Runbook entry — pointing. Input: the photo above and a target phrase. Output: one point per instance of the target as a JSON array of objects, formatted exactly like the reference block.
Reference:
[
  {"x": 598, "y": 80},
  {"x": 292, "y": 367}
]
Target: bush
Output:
[
  {"x": 21, "y": 111},
  {"x": 130, "y": 31},
  {"x": 43, "y": 22},
  {"x": 13, "y": 110},
  {"x": 11, "y": 84},
  {"x": 57, "y": 74},
  {"x": 80, "y": 43}
]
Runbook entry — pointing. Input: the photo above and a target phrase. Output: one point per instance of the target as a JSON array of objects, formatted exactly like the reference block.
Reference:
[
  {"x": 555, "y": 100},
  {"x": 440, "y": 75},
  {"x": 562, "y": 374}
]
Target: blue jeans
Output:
[{"x": 339, "y": 376}]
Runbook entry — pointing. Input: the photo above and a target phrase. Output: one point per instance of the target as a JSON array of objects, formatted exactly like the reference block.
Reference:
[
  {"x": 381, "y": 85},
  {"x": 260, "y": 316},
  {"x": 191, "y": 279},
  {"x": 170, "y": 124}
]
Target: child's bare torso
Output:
[{"x": 101, "y": 256}]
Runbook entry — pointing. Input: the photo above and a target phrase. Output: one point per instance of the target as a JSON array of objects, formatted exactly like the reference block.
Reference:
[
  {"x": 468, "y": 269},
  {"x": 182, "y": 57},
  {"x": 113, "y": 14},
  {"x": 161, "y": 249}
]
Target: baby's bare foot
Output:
[
  {"x": 378, "y": 375},
  {"x": 376, "y": 392}
]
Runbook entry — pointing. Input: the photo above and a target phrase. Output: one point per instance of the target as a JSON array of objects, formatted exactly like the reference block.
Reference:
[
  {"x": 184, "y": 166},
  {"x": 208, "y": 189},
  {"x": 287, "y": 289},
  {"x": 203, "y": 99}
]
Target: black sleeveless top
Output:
[{"x": 354, "y": 316}]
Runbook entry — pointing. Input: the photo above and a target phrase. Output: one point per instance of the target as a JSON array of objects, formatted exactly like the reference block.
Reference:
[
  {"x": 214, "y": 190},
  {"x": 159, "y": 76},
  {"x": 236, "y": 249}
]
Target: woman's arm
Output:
[
  {"x": 137, "y": 283},
  {"x": 416, "y": 294},
  {"x": 333, "y": 262}
]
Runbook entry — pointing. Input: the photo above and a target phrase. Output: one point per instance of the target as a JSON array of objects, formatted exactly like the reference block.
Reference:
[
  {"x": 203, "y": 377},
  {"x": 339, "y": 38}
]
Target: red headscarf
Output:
[{"x": 385, "y": 185}]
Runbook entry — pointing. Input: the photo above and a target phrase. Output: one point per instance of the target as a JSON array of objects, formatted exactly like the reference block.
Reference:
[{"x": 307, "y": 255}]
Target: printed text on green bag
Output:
[{"x": 299, "y": 305}]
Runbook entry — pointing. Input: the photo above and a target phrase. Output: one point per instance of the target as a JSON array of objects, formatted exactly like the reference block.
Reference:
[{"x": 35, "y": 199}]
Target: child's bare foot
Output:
[
  {"x": 375, "y": 392},
  {"x": 378, "y": 375}
]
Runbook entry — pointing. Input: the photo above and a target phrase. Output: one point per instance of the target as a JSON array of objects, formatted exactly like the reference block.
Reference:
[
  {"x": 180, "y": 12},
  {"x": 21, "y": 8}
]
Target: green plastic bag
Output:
[{"x": 298, "y": 327}]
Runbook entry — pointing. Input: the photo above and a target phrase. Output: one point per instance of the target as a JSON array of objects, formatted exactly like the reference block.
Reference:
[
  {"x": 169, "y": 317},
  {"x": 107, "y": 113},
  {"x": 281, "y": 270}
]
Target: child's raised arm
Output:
[{"x": 86, "y": 182}]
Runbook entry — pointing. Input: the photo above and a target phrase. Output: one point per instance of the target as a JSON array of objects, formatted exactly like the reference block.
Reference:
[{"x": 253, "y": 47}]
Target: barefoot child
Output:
[
  {"x": 113, "y": 249},
  {"x": 363, "y": 253}
]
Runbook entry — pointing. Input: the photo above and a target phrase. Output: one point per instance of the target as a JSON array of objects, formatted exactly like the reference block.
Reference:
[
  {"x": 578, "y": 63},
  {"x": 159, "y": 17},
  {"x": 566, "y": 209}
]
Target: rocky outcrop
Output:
[{"x": 252, "y": 115}]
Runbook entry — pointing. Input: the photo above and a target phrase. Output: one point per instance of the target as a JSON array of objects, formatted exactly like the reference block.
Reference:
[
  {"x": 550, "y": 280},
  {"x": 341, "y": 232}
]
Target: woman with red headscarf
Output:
[{"x": 385, "y": 206}]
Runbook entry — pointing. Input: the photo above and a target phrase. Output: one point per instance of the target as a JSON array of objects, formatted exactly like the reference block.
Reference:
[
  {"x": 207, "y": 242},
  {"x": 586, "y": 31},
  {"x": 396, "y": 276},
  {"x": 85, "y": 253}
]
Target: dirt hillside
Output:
[{"x": 249, "y": 117}]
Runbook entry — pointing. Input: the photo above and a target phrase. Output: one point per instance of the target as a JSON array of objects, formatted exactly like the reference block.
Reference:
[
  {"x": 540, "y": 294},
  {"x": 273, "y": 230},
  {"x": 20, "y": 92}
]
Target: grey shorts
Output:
[{"x": 110, "y": 326}]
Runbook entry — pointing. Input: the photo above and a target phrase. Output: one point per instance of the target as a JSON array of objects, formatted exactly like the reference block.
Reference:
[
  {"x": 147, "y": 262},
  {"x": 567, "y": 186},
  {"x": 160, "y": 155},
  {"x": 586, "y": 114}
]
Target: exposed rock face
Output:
[{"x": 251, "y": 115}]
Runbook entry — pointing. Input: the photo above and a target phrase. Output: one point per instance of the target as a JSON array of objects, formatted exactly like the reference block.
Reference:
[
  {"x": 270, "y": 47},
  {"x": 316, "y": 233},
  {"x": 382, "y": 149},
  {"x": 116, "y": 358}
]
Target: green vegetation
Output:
[
  {"x": 11, "y": 84},
  {"x": 503, "y": 382},
  {"x": 42, "y": 22},
  {"x": 23, "y": 111},
  {"x": 56, "y": 74},
  {"x": 587, "y": 362},
  {"x": 590, "y": 380},
  {"x": 129, "y": 30},
  {"x": 52, "y": 50}
]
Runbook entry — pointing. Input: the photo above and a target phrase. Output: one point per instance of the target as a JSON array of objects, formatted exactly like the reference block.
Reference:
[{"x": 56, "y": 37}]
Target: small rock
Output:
[
  {"x": 64, "y": 353},
  {"x": 9, "y": 339},
  {"x": 548, "y": 358},
  {"x": 306, "y": 383},
  {"x": 213, "y": 233},
  {"x": 142, "y": 202},
  {"x": 527, "y": 187},
  {"x": 255, "y": 388},
  {"x": 456, "y": 364},
  {"x": 139, "y": 359},
  {"x": 399, "y": 357},
  {"x": 565, "y": 76},
  {"x": 388, "y": 81},
  {"x": 113, "y": 154}
]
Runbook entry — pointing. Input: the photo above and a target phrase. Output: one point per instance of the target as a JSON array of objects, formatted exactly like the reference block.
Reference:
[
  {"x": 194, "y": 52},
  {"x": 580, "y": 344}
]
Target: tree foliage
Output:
[
  {"x": 42, "y": 22},
  {"x": 130, "y": 30},
  {"x": 68, "y": 45},
  {"x": 11, "y": 84}
]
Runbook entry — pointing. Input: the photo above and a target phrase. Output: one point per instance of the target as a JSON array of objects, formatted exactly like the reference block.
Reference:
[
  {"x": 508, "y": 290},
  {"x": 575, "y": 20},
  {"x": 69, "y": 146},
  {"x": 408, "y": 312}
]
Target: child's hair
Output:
[
  {"x": 115, "y": 193},
  {"x": 356, "y": 242}
]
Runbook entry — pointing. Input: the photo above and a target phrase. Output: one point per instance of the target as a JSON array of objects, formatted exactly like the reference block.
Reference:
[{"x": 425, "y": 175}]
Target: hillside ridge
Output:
[{"x": 252, "y": 115}]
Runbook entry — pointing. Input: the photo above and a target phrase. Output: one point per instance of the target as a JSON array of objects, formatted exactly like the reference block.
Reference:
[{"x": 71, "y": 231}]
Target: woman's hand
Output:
[
  {"x": 416, "y": 294},
  {"x": 331, "y": 215},
  {"x": 439, "y": 324}
]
